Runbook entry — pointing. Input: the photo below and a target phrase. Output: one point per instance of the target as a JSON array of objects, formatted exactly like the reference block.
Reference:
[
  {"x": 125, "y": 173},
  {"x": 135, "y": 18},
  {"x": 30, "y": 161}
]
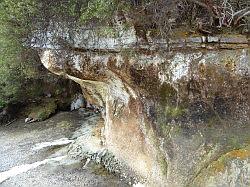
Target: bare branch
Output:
[
  {"x": 204, "y": 6},
  {"x": 243, "y": 11},
  {"x": 240, "y": 14}
]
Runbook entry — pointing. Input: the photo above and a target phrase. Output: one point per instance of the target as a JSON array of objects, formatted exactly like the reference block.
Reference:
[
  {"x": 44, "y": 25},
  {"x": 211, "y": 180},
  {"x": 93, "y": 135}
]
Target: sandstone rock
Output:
[
  {"x": 231, "y": 169},
  {"x": 167, "y": 115}
]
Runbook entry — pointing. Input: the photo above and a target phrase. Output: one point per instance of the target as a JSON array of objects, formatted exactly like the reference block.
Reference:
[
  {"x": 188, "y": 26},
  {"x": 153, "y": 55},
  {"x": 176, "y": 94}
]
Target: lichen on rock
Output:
[
  {"x": 231, "y": 169},
  {"x": 166, "y": 115}
]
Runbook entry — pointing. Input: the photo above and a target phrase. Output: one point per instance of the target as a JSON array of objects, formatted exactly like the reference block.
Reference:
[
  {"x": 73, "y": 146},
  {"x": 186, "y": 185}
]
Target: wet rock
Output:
[{"x": 200, "y": 111}]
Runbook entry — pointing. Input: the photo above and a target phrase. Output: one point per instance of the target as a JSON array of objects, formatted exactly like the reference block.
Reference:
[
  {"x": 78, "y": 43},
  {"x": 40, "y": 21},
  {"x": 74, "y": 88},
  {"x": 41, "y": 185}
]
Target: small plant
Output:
[
  {"x": 2, "y": 104},
  {"x": 174, "y": 112}
]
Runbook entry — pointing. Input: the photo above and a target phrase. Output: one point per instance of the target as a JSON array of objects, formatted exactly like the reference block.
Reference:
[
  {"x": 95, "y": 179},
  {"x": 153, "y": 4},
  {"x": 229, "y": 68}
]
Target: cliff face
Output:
[{"x": 170, "y": 110}]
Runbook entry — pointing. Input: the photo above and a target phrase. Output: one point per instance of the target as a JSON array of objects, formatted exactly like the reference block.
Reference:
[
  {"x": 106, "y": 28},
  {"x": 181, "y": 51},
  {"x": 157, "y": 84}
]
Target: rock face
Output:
[
  {"x": 231, "y": 169},
  {"x": 77, "y": 103},
  {"x": 169, "y": 114}
]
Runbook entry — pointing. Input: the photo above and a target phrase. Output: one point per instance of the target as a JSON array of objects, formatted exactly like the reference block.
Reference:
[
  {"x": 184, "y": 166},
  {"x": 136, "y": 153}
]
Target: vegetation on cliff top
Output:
[{"x": 20, "y": 19}]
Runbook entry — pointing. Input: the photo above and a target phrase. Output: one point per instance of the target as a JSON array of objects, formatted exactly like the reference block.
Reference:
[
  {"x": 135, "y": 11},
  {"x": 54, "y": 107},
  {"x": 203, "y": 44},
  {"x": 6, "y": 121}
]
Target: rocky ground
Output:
[
  {"x": 20, "y": 144},
  {"x": 65, "y": 149}
]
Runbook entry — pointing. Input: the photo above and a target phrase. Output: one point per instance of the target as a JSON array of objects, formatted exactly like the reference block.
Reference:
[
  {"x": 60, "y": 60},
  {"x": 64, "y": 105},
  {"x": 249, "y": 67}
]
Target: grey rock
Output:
[
  {"x": 213, "y": 39},
  {"x": 234, "y": 39}
]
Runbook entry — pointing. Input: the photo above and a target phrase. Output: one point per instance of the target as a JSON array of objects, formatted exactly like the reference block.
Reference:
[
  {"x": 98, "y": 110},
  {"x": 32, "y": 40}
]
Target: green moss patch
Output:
[
  {"x": 174, "y": 112},
  {"x": 43, "y": 111}
]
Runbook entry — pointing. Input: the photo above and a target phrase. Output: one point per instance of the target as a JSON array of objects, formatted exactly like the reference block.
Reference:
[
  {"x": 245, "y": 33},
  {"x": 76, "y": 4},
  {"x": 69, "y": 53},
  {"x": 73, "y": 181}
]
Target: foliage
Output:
[
  {"x": 160, "y": 16},
  {"x": 43, "y": 111},
  {"x": 10, "y": 70},
  {"x": 20, "y": 19},
  {"x": 99, "y": 9},
  {"x": 15, "y": 67},
  {"x": 174, "y": 112}
]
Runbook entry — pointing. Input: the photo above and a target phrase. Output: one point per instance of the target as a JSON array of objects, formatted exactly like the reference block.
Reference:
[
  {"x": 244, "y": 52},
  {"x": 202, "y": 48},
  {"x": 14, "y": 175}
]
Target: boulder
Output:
[
  {"x": 42, "y": 111},
  {"x": 167, "y": 114}
]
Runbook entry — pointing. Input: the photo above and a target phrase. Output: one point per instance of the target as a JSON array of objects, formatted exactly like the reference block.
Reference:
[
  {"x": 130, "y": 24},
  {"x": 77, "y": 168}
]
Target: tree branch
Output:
[
  {"x": 204, "y": 6},
  {"x": 240, "y": 14}
]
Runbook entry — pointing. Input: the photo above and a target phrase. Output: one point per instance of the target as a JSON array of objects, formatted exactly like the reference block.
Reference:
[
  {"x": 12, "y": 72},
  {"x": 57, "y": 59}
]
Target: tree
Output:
[{"x": 15, "y": 66}]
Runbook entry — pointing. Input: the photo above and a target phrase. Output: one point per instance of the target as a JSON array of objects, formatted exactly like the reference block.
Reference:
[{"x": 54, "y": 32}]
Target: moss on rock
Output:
[
  {"x": 43, "y": 111},
  {"x": 174, "y": 112}
]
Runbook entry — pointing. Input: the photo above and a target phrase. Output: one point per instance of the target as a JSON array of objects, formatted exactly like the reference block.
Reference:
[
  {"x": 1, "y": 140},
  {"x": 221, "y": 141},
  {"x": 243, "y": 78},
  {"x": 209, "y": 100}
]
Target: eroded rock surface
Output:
[
  {"x": 36, "y": 154},
  {"x": 168, "y": 115}
]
